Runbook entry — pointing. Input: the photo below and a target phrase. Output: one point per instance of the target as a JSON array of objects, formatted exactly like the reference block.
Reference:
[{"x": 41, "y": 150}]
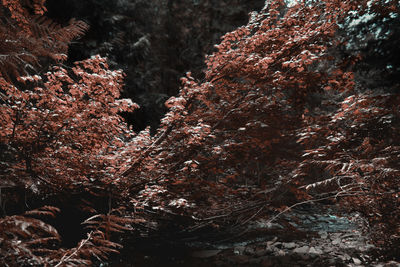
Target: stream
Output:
[{"x": 312, "y": 235}]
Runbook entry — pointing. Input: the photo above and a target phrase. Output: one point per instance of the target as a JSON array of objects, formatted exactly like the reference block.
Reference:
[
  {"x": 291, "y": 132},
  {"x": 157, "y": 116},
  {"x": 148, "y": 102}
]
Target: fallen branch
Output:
[{"x": 82, "y": 243}]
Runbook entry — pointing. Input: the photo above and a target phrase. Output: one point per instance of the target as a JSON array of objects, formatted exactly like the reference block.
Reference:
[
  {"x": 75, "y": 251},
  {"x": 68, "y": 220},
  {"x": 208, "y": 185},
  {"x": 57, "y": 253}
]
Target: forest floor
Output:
[{"x": 312, "y": 235}]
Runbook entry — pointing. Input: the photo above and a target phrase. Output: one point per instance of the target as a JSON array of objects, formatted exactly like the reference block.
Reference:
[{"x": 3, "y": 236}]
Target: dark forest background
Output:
[{"x": 153, "y": 42}]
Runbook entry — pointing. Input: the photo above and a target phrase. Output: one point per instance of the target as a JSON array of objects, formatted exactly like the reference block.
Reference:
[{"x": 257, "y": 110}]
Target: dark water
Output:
[{"x": 320, "y": 218}]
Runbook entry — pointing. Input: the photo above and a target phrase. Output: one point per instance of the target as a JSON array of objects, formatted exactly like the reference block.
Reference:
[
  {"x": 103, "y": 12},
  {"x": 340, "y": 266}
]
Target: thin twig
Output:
[
  {"x": 309, "y": 201},
  {"x": 254, "y": 215},
  {"x": 65, "y": 258}
]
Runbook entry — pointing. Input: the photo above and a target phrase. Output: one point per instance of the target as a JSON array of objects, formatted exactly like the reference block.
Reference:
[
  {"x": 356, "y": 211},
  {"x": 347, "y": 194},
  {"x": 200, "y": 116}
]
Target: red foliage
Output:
[
  {"x": 60, "y": 132},
  {"x": 278, "y": 119},
  {"x": 65, "y": 130},
  {"x": 239, "y": 127}
]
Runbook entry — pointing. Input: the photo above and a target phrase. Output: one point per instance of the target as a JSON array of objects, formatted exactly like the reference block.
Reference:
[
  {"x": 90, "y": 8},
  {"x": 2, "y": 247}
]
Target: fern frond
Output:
[
  {"x": 319, "y": 184},
  {"x": 44, "y": 241},
  {"x": 54, "y": 35},
  {"x": 108, "y": 243},
  {"x": 21, "y": 45},
  {"x": 109, "y": 221},
  {"x": 44, "y": 211},
  {"x": 115, "y": 227}
]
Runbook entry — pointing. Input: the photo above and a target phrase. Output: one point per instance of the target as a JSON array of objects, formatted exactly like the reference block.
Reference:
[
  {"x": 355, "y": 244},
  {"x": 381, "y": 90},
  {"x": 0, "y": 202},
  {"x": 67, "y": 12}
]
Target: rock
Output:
[
  {"x": 392, "y": 264},
  {"x": 333, "y": 236},
  {"x": 350, "y": 236},
  {"x": 344, "y": 257},
  {"x": 249, "y": 251},
  {"x": 336, "y": 241},
  {"x": 356, "y": 261},
  {"x": 323, "y": 234},
  {"x": 301, "y": 250},
  {"x": 328, "y": 249},
  {"x": 270, "y": 249},
  {"x": 280, "y": 253},
  {"x": 205, "y": 253},
  {"x": 269, "y": 243},
  {"x": 290, "y": 245},
  {"x": 352, "y": 244},
  {"x": 239, "y": 250},
  {"x": 315, "y": 251}
]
